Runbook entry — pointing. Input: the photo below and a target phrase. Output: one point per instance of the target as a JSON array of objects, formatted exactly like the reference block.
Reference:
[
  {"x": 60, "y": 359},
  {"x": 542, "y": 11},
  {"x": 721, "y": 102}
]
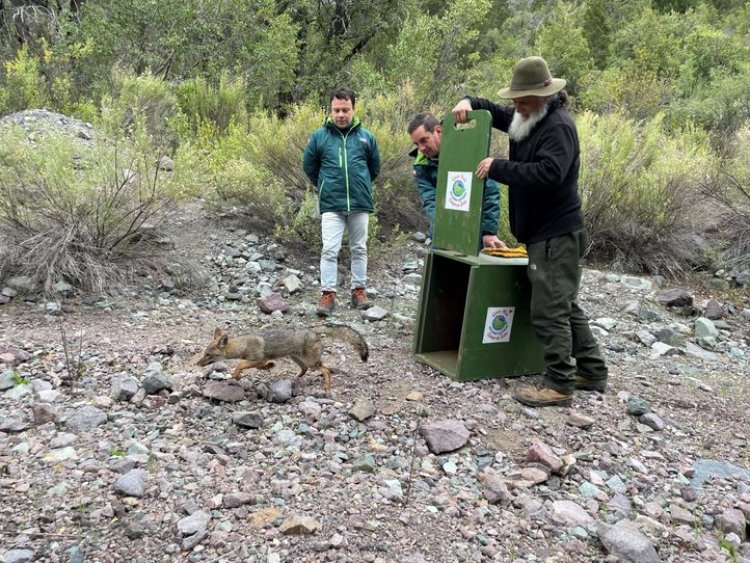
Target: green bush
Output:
[
  {"x": 221, "y": 105},
  {"x": 135, "y": 100},
  {"x": 24, "y": 85},
  {"x": 81, "y": 214},
  {"x": 640, "y": 191},
  {"x": 729, "y": 192}
]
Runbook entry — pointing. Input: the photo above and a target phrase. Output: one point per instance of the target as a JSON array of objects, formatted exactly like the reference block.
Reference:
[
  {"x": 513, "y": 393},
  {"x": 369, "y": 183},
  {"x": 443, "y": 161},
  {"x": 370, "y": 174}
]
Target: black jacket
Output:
[{"x": 541, "y": 173}]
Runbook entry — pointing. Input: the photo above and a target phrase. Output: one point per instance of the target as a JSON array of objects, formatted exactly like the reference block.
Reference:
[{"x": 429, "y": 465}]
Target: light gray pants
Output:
[{"x": 332, "y": 232}]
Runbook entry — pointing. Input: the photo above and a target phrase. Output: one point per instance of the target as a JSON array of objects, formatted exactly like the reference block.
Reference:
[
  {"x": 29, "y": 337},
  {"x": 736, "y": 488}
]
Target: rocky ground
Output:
[{"x": 115, "y": 446}]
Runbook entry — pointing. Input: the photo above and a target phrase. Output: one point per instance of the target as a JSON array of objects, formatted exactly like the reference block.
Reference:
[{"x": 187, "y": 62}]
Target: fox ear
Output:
[
  {"x": 217, "y": 333},
  {"x": 224, "y": 340}
]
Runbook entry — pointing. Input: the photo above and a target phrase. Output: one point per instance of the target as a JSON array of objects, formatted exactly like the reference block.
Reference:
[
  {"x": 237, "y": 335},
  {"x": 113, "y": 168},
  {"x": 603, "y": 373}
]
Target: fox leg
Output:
[
  {"x": 302, "y": 365},
  {"x": 246, "y": 364},
  {"x": 326, "y": 371}
]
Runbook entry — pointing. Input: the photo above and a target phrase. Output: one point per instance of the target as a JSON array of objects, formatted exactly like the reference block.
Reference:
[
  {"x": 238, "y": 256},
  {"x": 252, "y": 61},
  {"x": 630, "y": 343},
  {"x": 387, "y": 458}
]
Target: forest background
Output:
[{"x": 230, "y": 90}]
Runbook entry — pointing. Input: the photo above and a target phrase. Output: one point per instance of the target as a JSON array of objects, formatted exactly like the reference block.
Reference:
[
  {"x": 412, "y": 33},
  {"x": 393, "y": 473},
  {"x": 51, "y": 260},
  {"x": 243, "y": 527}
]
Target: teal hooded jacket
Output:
[
  {"x": 425, "y": 172},
  {"x": 342, "y": 163}
]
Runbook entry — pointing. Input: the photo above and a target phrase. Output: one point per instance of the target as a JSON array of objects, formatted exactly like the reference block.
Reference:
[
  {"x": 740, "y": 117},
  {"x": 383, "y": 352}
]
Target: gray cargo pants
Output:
[{"x": 558, "y": 321}]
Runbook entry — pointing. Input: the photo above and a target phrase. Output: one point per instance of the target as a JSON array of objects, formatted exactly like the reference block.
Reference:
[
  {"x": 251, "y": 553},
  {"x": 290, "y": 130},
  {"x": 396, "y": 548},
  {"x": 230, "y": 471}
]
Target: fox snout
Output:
[{"x": 205, "y": 360}]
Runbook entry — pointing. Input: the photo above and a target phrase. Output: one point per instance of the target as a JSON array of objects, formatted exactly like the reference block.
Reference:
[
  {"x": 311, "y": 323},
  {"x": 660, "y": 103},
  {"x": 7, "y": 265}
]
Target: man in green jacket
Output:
[
  {"x": 425, "y": 131},
  {"x": 341, "y": 160}
]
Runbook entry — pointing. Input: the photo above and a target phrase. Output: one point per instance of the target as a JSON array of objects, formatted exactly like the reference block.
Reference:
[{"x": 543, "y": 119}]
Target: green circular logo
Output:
[{"x": 499, "y": 323}]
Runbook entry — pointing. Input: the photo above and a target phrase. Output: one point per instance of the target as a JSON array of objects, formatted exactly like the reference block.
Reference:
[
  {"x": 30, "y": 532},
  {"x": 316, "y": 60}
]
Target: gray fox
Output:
[{"x": 304, "y": 346}]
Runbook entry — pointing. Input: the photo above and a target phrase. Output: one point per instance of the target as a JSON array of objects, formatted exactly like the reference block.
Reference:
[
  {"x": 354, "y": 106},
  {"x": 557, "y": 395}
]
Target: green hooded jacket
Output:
[
  {"x": 342, "y": 163},
  {"x": 425, "y": 171}
]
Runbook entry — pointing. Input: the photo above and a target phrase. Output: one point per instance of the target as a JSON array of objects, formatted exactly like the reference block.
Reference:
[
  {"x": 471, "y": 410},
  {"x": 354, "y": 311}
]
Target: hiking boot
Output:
[
  {"x": 327, "y": 303},
  {"x": 542, "y": 397},
  {"x": 586, "y": 384},
  {"x": 359, "y": 299}
]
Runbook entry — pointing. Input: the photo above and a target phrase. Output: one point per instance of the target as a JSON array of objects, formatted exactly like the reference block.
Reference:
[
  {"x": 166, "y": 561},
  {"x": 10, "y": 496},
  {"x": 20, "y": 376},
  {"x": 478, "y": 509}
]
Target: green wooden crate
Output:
[{"x": 473, "y": 318}]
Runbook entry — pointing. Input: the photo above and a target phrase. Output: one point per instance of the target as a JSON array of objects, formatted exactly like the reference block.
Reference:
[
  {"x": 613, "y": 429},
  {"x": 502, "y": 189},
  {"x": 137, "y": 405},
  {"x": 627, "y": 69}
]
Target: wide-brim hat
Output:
[{"x": 531, "y": 77}]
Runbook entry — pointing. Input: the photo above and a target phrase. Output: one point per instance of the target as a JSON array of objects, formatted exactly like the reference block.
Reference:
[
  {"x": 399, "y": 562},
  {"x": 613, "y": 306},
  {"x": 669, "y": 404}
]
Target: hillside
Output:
[{"x": 116, "y": 446}]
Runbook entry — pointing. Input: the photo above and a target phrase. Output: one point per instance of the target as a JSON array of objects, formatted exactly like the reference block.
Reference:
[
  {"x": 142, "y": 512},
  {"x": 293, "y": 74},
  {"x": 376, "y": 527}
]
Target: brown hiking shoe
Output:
[
  {"x": 542, "y": 397},
  {"x": 327, "y": 303},
  {"x": 586, "y": 384},
  {"x": 359, "y": 299}
]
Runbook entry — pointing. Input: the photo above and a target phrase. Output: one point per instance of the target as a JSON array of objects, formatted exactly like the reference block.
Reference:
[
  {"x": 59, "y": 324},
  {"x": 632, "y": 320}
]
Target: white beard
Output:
[{"x": 520, "y": 128}]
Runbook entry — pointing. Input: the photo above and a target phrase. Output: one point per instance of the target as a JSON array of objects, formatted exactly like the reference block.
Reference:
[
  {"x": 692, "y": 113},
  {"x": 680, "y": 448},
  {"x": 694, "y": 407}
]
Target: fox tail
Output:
[{"x": 347, "y": 334}]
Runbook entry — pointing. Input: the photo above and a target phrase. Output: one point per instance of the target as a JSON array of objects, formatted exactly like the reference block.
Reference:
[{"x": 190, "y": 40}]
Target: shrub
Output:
[
  {"x": 220, "y": 105},
  {"x": 729, "y": 190},
  {"x": 143, "y": 100},
  {"x": 77, "y": 213},
  {"x": 639, "y": 188},
  {"x": 24, "y": 86}
]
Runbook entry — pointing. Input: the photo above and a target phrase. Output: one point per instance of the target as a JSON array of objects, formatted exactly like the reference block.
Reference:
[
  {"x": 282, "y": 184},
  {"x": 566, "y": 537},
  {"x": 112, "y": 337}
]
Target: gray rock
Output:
[
  {"x": 124, "y": 388},
  {"x": 362, "y": 410},
  {"x": 44, "y": 413},
  {"x": 705, "y": 328},
  {"x": 251, "y": 420},
  {"x": 279, "y": 391},
  {"x": 18, "y": 556},
  {"x": 674, "y": 298},
  {"x": 605, "y": 322},
  {"x": 22, "y": 284},
  {"x": 155, "y": 382},
  {"x": 638, "y": 406},
  {"x": 131, "y": 484},
  {"x": 7, "y": 381},
  {"x": 226, "y": 391},
  {"x": 310, "y": 409},
  {"x": 670, "y": 336},
  {"x": 374, "y": 313},
  {"x": 681, "y": 515},
  {"x": 299, "y": 525},
  {"x": 705, "y": 468},
  {"x": 292, "y": 283},
  {"x": 63, "y": 288},
  {"x": 541, "y": 453},
  {"x": 49, "y": 395},
  {"x": 235, "y": 500},
  {"x": 86, "y": 418},
  {"x": 652, "y": 420},
  {"x": 732, "y": 521},
  {"x": 569, "y": 514},
  {"x": 166, "y": 163},
  {"x": 445, "y": 436},
  {"x": 8, "y": 292},
  {"x": 645, "y": 337},
  {"x": 74, "y": 554},
  {"x": 698, "y": 352},
  {"x": 18, "y": 391},
  {"x": 714, "y": 311},
  {"x": 190, "y": 542},
  {"x": 271, "y": 303},
  {"x": 625, "y": 542},
  {"x": 496, "y": 491},
  {"x": 194, "y": 524}
]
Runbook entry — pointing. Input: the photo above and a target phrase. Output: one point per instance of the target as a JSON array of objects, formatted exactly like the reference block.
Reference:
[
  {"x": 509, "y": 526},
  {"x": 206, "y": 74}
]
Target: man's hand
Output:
[
  {"x": 491, "y": 241},
  {"x": 461, "y": 111},
  {"x": 483, "y": 169}
]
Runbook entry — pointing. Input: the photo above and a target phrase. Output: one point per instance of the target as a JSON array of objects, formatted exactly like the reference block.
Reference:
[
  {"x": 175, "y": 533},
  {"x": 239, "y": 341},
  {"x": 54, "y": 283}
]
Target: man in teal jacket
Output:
[
  {"x": 341, "y": 160},
  {"x": 425, "y": 131}
]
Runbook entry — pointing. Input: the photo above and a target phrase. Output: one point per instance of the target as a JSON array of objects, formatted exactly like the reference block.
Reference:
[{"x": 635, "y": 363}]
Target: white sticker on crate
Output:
[
  {"x": 458, "y": 194},
  {"x": 498, "y": 324}
]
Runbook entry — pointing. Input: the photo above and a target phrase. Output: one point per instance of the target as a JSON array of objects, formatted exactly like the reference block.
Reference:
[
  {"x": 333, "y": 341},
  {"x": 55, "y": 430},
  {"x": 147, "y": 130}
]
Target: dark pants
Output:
[{"x": 558, "y": 321}]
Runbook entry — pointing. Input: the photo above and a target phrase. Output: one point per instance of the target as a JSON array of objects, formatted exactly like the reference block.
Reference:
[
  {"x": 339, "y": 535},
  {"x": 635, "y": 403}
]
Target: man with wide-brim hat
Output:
[{"x": 541, "y": 173}]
